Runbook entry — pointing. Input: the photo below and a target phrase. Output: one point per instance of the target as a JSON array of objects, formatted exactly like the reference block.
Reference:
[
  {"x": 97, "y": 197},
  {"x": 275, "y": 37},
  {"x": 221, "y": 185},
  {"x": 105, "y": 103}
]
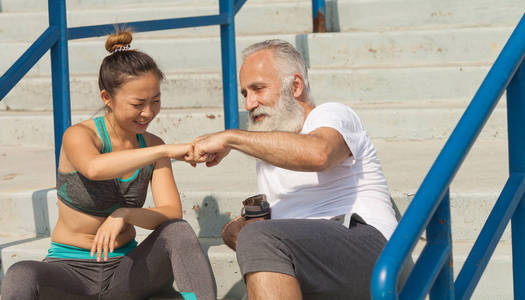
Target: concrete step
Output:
[
  {"x": 454, "y": 46},
  {"x": 176, "y": 125},
  {"x": 179, "y": 90},
  {"x": 248, "y": 20},
  {"x": 416, "y": 86},
  {"x": 28, "y": 197},
  {"x": 222, "y": 259},
  {"x": 396, "y": 121},
  {"x": 171, "y": 55},
  {"x": 373, "y": 15},
  {"x": 496, "y": 282},
  {"x": 419, "y": 84},
  {"x": 35, "y": 212},
  {"x": 327, "y": 50}
]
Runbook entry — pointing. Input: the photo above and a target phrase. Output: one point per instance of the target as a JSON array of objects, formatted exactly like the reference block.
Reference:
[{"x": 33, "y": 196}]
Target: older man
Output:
[{"x": 331, "y": 209}]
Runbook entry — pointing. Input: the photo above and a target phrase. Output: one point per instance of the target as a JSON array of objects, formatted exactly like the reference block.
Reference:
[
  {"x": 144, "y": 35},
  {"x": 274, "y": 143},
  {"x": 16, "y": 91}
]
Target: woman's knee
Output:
[
  {"x": 177, "y": 228},
  {"x": 173, "y": 224},
  {"x": 25, "y": 271}
]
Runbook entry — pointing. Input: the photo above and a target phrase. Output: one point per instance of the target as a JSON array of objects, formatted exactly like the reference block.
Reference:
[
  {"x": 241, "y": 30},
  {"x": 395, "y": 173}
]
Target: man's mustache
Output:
[{"x": 260, "y": 110}]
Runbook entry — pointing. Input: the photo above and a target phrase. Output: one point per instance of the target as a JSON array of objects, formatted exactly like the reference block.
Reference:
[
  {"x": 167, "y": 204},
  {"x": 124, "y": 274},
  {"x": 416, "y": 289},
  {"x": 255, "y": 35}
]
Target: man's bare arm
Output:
[{"x": 319, "y": 150}]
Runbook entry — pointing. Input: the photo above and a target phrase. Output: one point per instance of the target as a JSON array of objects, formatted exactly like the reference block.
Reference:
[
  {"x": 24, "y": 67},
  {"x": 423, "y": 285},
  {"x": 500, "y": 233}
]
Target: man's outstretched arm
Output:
[{"x": 319, "y": 150}]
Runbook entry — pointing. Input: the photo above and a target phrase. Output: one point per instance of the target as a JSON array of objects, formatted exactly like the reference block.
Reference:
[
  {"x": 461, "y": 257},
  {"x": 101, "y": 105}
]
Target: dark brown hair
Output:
[{"x": 123, "y": 63}]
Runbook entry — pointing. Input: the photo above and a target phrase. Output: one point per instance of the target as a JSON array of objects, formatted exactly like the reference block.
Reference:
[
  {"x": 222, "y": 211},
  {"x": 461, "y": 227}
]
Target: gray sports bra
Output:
[{"x": 102, "y": 197}]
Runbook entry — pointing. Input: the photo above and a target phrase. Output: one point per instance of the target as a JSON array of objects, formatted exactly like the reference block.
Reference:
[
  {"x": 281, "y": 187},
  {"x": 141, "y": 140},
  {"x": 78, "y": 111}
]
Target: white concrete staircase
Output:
[{"x": 407, "y": 67}]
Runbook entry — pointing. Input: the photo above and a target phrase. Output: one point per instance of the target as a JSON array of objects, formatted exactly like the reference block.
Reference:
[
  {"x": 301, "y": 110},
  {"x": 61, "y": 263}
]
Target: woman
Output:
[{"x": 105, "y": 167}]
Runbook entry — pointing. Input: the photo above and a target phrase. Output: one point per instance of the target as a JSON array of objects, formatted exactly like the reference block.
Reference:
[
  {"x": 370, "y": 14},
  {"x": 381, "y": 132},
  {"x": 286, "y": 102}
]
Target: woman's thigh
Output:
[
  {"x": 50, "y": 279},
  {"x": 170, "y": 252}
]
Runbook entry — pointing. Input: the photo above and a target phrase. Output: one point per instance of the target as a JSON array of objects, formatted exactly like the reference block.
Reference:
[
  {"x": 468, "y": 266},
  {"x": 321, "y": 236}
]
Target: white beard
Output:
[{"x": 285, "y": 115}]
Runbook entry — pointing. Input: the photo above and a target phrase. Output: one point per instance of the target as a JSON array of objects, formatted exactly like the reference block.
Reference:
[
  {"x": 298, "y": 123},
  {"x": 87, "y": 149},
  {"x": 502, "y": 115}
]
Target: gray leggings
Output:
[{"x": 171, "y": 252}]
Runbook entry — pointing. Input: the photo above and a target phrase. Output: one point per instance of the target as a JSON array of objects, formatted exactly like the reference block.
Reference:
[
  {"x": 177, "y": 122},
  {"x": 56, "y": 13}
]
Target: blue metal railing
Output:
[
  {"x": 432, "y": 273},
  {"x": 56, "y": 37}
]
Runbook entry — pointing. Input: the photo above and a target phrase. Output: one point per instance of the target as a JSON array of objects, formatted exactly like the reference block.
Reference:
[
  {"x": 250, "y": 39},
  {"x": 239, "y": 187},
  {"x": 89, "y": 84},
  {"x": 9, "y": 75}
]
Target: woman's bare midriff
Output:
[{"x": 78, "y": 229}]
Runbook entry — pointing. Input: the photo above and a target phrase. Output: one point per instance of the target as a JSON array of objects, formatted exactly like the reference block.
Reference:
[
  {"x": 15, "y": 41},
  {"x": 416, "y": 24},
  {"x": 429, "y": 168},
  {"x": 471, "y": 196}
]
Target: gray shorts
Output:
[{"x": 329, "y": 260}]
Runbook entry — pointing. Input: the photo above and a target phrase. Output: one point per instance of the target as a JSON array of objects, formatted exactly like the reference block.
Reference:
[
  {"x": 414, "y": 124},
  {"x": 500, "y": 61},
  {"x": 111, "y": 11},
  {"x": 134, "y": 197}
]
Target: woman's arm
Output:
[
  {"x": 167, "y": 206},
  {"x": 81, "y": 151},
  {"x": 166, "y": 198}
]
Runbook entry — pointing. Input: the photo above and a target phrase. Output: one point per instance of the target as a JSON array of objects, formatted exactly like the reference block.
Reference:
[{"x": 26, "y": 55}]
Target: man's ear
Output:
[
  {"x": 297, "y": 85},
  {"x": 106, "y": 98}
]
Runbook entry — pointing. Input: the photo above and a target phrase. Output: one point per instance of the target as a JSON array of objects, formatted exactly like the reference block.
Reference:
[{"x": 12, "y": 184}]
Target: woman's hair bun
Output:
[{"x": 121, "y": 38}]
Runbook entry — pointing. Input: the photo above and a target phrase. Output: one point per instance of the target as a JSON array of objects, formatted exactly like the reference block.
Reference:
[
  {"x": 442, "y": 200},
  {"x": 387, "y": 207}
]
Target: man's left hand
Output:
[{"x": 211, "y": 149}]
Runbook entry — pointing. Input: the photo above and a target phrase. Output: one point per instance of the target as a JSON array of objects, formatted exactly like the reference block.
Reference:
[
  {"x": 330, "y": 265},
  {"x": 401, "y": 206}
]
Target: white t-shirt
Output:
[{"x": 357, "y": 185}]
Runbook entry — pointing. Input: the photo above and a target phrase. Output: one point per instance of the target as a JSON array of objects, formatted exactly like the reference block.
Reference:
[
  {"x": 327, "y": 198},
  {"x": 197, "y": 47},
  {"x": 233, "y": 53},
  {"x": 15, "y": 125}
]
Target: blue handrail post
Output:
[
  {"x": 318, "y": 15},
  {"x": 438, "y": 231},
  {"x": 516, "y": 123},
  {"x": 60, "y": 73},
  {"x": 229, "y": 66}
]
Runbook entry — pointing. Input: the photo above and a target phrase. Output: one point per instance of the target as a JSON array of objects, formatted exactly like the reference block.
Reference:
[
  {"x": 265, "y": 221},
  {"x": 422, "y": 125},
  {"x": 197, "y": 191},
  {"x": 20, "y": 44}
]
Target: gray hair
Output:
[{"x": 289, "y": 61}]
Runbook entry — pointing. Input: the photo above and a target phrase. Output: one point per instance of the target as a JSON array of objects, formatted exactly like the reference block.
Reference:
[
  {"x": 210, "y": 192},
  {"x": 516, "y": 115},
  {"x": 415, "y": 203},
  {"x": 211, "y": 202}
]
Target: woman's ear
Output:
[
  {"x": 106, "y": 98},
  {"x": 297, "y": 85}
]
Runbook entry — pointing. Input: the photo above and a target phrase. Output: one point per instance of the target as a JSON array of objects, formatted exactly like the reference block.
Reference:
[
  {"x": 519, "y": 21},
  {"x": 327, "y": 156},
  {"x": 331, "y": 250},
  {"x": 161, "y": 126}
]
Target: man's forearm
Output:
[{"x": 299, "y": 152}]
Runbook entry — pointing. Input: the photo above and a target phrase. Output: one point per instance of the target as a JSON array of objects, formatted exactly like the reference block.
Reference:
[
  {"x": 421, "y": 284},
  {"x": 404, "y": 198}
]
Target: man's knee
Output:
[
  {"x": 253, "y": 234},
  {"x": 262, "y": 247},
  {"x": 21, "y": 279}
]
